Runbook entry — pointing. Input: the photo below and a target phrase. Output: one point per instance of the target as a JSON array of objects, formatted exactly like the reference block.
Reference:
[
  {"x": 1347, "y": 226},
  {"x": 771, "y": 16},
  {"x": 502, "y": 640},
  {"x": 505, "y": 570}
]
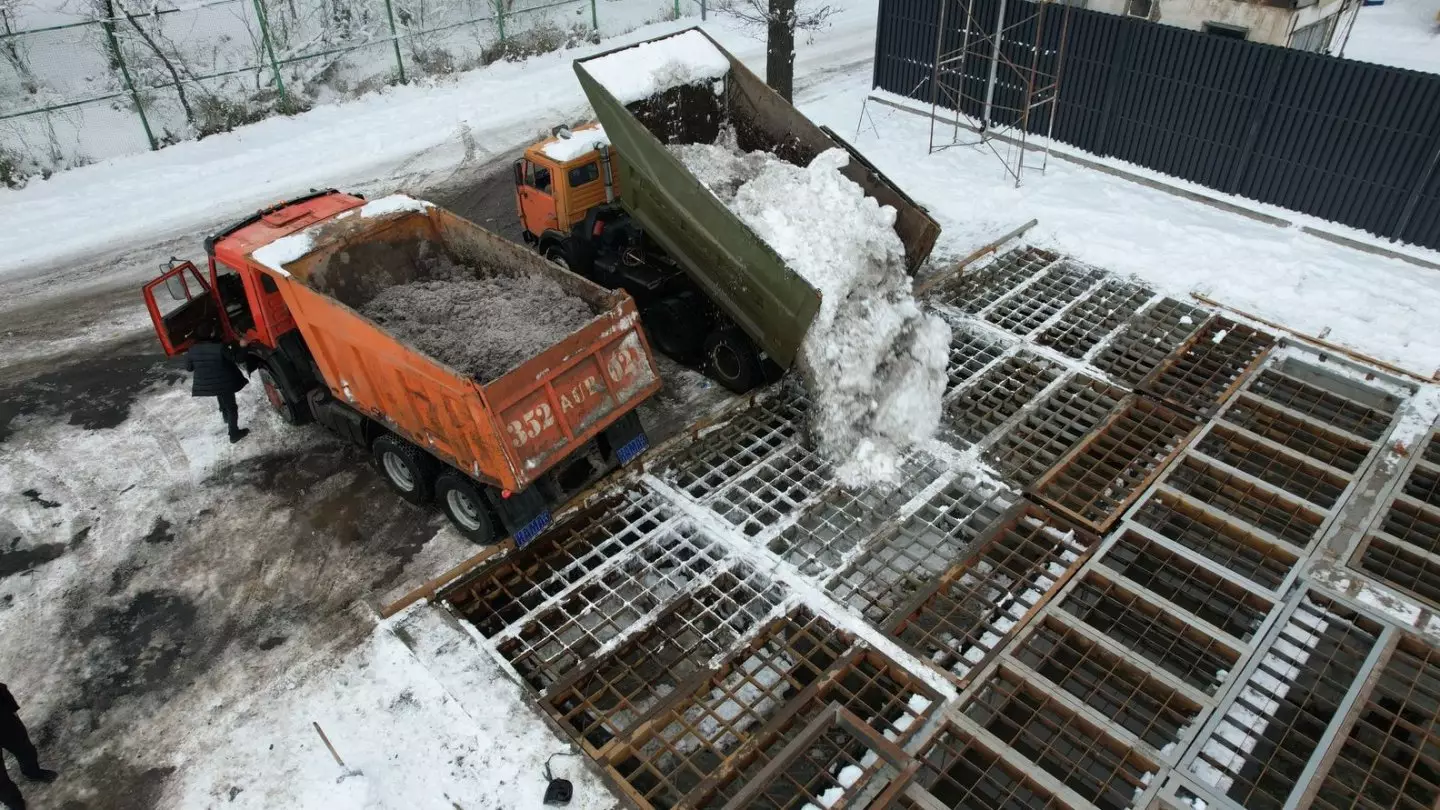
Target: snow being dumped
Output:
[
  {"x": 653, "y": 67},
  {"x": 481, "y": 326},
  {"x": 873, "y": 362}
]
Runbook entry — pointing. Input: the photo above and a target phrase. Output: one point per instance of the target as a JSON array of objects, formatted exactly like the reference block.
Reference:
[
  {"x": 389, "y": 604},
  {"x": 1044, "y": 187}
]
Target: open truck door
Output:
[{"x": 180, "y": 300}]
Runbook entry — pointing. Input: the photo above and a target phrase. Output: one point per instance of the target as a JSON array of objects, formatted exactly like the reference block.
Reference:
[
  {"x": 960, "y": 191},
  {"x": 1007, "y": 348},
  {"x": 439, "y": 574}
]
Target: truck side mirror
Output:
[
  {"x": 520, "y": 172},
  {"x": 175, "y": 285}
]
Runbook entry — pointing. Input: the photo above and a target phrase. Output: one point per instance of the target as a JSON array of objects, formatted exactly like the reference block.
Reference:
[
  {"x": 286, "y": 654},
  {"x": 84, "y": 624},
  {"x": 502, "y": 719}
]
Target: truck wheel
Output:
[
  {"x": 733, "y": 360},
  {"x": 283, "y": 391},
  {"x": 466, "y": 506},
  {"x": 275, "y": 397},
  {"x": 675, "y": 327},
  {"x": 408, "y": 469},
  {"x": 557, "y": 253}
]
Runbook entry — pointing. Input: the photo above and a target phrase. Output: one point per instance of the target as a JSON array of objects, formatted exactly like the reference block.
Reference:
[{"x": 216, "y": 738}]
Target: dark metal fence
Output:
[{"x": 1348, "y": 141}]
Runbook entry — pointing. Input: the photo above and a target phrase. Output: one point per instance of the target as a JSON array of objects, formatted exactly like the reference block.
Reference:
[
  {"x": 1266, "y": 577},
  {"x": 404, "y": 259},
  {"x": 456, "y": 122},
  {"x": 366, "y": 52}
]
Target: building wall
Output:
[{"x": 1266, "y": 23}]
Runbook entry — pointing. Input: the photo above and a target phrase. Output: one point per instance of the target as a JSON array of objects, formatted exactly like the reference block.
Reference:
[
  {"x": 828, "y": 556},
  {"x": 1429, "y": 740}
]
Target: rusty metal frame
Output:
[
  {"x": 1056, "y": 424},
  {"x": 1207, "y": 369},
  {"x": 1147, "y": 340}
]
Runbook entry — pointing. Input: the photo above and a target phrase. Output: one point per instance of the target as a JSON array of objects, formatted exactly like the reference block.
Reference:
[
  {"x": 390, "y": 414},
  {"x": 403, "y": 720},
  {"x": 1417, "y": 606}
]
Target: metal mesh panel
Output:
[
  {"x": 1341, "y": 452},
  {"x": 1285, "y": 517},
  {"x": 974, "y": 291},
  {"x": 1056, "y": 425},
  {"x": 963, "y": 775},
  {"x": 1226, "y": 542},
  {"x": 1149, "y": 338},
  {"x": 970, "y": 351},
  {"x": 998, "y": 395},
  {"x": 1327, "y": 406},
  {"x": 1090, "y": 321},
  {"x": 1209, "y": 366},
  {"x": 1027, "y": 309},
  {"x": 1284, "y": 470},
  {"x": 733, "y": 450},
  {"x": 773, "y": 489}
]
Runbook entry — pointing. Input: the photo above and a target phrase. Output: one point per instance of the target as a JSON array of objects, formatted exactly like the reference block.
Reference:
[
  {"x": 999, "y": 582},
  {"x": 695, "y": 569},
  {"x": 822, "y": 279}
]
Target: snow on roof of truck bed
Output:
[
  {"x": 287, "y": 249},
  {"x": 564, "y": 150},
  {"x": 658, "y": 65}
]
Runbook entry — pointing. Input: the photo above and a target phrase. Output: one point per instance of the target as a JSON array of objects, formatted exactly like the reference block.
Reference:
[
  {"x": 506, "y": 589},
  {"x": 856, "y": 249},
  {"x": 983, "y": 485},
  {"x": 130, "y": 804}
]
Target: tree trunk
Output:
[{"x": 780, "y": 48}]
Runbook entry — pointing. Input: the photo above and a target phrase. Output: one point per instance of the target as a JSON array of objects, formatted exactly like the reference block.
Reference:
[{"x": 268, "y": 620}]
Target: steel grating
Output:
[
  {"x": 1283, "y": 516},
  {"x": 1046, "y": 731},
  {"x": 694, "y": 734},
  {"x": 1094, "y": 318},
  {"x": 1030, "y": 307},
  {"x": 1226, "y": 606},
  {"x": 772, "y": 490},
  {"x": 961, "y": 774},
  {"x": 822, "y": 538},
  {"x": 961, "y": 620},
  {"x": 1097, "y": 481},
  {"x": 899, "y": 563},
  {"x": 1151, "y": 632},
  {"x": 883, "y": 698},
  {"x": 1129, "y": 697},
  {"x": 1148, "y": 340},
  {"x": 1229, "y": 543},
  {"x": 1368, "y": 420},
  {"x": 562, "y": 637},
  {"x": 1209, "y": 366},
  {"x": 1343, "y": 452},
  {"x": 974, "y": 291},
  {"x": 736, "y": 448},
  {"x": 970, "y": 352},
  {"x": 998, "y": 394},
  {"x": 1314, "y": 483},
  {"x": 1402, "y": 546},
  {"x": 1055, "y": 427},
  {"x": 1390, "y": 760},
  {"x": 504, "y": 593},
  {"x": 1278, "y": 720}
]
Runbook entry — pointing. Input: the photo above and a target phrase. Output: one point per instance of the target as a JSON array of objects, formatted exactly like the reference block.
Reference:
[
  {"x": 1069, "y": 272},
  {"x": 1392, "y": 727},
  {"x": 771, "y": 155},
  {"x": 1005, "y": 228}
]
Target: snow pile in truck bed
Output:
[
  {"x": 482, "y": 327},
  {"x": 656, "y": 66},
  {"x": 873, "y": 362}
]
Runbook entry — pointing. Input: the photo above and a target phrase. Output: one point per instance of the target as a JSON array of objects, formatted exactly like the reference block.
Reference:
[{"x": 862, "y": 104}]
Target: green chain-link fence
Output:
[{"x": 142, "y": 77}]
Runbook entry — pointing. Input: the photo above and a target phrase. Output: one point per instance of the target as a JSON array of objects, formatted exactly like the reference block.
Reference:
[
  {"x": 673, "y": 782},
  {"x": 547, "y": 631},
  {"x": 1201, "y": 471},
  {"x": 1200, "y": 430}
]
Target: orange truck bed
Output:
[{"x": 506, "y": 432}]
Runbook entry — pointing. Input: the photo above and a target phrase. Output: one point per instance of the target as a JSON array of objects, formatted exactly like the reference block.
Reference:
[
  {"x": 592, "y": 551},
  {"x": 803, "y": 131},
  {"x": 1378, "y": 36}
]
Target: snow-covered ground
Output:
[{"x": 1403, "y": 33}]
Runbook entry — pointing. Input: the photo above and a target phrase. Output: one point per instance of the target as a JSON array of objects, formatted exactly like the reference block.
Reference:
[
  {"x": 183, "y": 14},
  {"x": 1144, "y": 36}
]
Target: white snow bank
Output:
[
  {"x": 1402, "y": 33},
  {"x": 873, "y": 362},
  {"x": 580, "y": 141},
  {"x": 654, "y": 67},
  {"x": 393, "y": 204},
  {"x": 284, "y": 250}
]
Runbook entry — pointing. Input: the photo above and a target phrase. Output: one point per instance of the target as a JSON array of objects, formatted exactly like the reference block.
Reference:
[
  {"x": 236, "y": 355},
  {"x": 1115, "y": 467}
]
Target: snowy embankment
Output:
[{"x": 1400, "y": 33}]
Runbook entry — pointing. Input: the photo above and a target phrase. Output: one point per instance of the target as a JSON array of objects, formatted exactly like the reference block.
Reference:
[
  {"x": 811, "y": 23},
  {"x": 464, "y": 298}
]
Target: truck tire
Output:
[
  {"x": 469, "y": 511},
  {"x": 675, "y": 327},
  {"x": 283, "y": 391},
  {"x": 407, "y": 468},
  {"x": 557, "y": 253},
  {"x": 732, "y": 359}
]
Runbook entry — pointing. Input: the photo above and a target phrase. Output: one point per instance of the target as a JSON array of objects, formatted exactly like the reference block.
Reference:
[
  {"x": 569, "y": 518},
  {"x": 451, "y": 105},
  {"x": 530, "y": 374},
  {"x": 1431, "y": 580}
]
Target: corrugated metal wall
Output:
[{"x": 1347, "y": 141}]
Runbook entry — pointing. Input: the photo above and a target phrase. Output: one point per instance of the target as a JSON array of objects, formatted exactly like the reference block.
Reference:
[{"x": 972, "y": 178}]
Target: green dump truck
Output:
[{"x": 615, "y": 205}]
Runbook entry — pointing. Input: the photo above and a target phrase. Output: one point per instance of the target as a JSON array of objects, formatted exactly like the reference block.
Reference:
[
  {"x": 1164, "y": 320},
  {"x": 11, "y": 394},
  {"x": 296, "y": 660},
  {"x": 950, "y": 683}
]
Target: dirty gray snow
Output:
[
  {"x": 873, "y": 362},
  {"x": 483, "y": 327}
]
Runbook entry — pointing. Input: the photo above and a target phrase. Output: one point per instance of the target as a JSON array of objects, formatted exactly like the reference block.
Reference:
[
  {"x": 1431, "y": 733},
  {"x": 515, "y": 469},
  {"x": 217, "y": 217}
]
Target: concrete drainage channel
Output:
[{"x": 1130, "y": 617}]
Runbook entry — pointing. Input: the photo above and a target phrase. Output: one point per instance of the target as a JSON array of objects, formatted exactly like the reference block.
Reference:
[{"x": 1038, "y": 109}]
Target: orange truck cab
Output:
[{"x": 494, "y": 454}]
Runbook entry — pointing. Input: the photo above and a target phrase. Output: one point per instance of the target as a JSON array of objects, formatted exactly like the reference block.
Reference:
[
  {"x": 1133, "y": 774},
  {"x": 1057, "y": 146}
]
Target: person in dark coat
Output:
[
  {"x": 15, "y": 739},
  {"x": 217, "y": 375}
]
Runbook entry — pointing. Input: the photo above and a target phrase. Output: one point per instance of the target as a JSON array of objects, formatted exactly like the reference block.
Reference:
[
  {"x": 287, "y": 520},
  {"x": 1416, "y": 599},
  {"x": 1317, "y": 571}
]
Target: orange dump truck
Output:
[{"x": 494, "y": 453}]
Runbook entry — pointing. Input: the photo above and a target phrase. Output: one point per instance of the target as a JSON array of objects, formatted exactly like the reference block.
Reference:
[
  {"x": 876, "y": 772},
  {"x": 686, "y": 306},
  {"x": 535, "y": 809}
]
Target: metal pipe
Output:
[
  {"x": 994, "y": 66},
  {"x": 607, "y": 172}
]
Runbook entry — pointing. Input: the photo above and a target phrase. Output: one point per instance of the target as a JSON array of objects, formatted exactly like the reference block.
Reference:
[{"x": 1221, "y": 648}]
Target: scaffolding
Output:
[{"x": 1020, "y": 59}]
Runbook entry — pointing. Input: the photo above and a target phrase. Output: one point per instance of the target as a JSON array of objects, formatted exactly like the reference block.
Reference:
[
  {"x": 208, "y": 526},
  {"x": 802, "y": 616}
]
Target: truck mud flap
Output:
[
  {"x": 625, "y": 439},
  {"x": 524, "y": 514}
]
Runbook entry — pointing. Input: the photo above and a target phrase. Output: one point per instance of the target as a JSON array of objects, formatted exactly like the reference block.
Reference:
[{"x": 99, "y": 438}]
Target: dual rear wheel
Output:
[{"x": 418, "y": 478}]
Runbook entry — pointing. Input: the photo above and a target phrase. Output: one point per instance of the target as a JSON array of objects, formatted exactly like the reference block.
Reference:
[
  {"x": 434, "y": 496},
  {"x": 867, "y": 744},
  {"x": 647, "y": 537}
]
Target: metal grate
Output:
[
  {"x": 1209, "y": 366},
  {"x": 1225, "y": 542},
  {"x": 564, "y": 636},
  {"x": 970, "y": 351},
  {"x": 1391, "y": 758},
  {"x": 821, "y": 539},
  {"x": 906, "y": 560},
  {"x": 1281, "y": 515},
  {"x": 1175, "y": 646},
  {"x": 1056, "y": 425},
  {"x": 1148, "y": 340},
  {"x": 962, "y": 775},
  {"x": 1278, "y": 719},
  {"x": 1045, "y": 731},
  {"x": 1129, "y": 697},
  {"x": 1431, "y": 453},
  {"x": 503, "y": 594},
  {"x": 603, "y": 701},
  {"x": 977, "y": 605},
  {"x": 1222, "y": 603},
  {"x": 1028, "y": 308},
  {"x": 1419, "y": 574},
  {"x": 1424, "y": 485},
  {"x": 887, "y": 700},
  {"x": 747, "y": 440},
  {"x": 974, "y": 291},
  {"x": 1416, "y": 525},
  {"x": 1089, "y": 322},
  {"x": 999, "y": 394},
  {"x": 1308, "y": 438},
  {"x": 1327, "y": 406},
  {"x": 773, "y": 490},
  {"x": 1096, "y": 482},
  {"x": 1278, "y": 468},
  {"x": 688, "y": 740}
]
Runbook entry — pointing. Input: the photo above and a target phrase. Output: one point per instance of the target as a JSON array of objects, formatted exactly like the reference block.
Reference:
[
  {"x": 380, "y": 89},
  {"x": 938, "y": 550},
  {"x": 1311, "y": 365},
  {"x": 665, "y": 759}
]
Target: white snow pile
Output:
[
  {"x": 567, "y": 147},
  {"x": 874, "y": 363},
  {"x": 653, "y": 67}
]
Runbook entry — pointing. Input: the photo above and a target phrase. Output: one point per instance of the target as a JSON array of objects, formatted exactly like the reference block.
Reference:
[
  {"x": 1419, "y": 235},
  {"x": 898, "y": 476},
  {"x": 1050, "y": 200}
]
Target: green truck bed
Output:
[{"x": 729, "y": 261}]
